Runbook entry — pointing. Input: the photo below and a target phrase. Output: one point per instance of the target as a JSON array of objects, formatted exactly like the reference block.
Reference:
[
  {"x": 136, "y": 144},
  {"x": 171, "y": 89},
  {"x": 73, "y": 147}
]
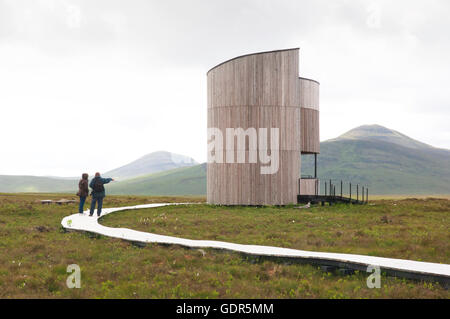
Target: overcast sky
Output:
[{"x": 91, "y": 85}]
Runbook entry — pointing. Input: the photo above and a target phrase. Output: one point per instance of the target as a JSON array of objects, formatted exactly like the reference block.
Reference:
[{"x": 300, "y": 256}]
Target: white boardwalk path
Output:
[{"x": 83, "y": 222}]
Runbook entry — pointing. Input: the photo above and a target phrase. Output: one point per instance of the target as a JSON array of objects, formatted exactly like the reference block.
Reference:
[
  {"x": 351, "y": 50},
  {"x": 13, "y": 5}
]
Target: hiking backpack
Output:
[{"x": 98, "y": 186}]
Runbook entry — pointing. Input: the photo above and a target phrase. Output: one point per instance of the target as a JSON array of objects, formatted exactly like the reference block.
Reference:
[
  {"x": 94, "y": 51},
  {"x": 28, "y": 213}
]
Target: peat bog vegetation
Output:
[{"x": 35, "y": 250}]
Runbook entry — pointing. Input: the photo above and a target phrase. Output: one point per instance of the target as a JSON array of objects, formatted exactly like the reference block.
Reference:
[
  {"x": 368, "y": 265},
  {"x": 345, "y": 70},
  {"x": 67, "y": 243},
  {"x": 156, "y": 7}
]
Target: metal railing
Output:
[
  {"x": 362, "y": 192},
  {"x": 338, "y": 189}
]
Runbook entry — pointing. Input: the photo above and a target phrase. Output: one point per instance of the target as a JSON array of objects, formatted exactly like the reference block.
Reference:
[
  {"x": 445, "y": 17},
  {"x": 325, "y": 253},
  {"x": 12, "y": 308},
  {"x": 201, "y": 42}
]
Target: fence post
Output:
[
  {"x": 341, "y": 188},
  {"x": 357, "y": 192},
  {"x": 362, "y": 194},
  {"x": 315, "y": 165},
  {"x": 331, "y": 189},
  {"x": 350, "y": 192}
]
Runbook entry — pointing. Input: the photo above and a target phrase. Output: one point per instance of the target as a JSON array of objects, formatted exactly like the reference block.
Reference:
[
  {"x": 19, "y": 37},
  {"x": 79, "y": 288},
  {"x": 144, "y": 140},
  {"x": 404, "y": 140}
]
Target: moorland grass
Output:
[
  {"x": 35, "y": 250},
  {"x": 408, "y": 229}
]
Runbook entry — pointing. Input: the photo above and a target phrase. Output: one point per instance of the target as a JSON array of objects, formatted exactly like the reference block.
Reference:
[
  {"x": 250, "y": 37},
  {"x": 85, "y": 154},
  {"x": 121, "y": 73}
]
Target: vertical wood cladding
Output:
[
  {"x": 309, "y": 102},
  {"x": 257, "y": 91},
  {"x": 309, "y": 186}
]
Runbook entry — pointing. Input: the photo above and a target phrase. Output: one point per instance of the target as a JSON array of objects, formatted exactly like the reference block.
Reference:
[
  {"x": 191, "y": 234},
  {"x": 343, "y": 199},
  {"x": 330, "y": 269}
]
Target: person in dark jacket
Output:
[
  {"x": 83, "y": 191},
  {"x": 98, "y": 192}
]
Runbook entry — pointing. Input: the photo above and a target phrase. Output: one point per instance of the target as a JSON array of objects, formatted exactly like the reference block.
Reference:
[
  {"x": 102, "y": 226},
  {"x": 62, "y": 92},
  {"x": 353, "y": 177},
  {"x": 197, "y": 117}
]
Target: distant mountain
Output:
[
  {"x": 151, "y": 163},
  {"x": 380, "y": 133},
  {"x": 385, "y": 160},
  {"x": 180, "y": 181}
]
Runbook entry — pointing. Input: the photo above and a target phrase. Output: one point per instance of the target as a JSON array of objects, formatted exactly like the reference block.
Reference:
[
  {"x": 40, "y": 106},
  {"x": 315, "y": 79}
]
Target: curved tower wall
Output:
[{"x": 253, "y": 92}]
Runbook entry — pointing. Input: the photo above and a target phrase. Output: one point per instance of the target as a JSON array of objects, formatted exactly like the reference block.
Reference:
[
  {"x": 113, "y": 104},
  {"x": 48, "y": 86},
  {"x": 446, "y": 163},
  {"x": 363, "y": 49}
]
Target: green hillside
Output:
[
  {"x": 386, "y": 168},
  {"x": 179, "y": 181},
  {"x": 151, "y": 163},
  {"x": 36, "y": 184}
]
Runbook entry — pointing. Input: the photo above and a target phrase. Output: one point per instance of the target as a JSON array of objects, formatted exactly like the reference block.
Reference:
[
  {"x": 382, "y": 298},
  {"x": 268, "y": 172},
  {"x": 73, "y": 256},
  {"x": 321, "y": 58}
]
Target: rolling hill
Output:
[
  {"x": 151, "y": 163},
  {"x": 381, "y": 134},
  {"x": 385, "y": 160},
  {"x": 36, "y": 184},
  {"x": 179, "y": 181}
]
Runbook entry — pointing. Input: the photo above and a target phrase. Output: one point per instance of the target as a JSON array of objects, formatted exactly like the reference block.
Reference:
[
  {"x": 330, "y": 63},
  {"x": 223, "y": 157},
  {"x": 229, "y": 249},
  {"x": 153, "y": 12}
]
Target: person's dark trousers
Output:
[
  {"x": 99, "y": 206},
  {"x": 82, "y": 201}
]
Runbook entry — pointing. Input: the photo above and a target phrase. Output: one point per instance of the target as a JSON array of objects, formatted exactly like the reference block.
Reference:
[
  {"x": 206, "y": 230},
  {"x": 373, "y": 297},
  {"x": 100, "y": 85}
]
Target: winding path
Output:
[{"x": 397, "y": 267}]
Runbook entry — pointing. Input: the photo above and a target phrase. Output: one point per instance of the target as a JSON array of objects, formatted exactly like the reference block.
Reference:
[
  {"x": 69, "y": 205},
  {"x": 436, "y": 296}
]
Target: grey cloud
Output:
[{"x": 55, "y": 27}]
